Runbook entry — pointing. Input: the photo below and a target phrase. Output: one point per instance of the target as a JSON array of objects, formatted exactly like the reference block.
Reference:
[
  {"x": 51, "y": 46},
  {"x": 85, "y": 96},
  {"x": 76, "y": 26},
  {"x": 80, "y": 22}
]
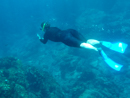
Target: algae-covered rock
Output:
[
  {"x": 43, "y": 82},
  {"x": 17, "y": 81},
  {"x": 91, "y": 93},
  {"x": 9, "y": 62},
  {"x": 5, "y": 90}
]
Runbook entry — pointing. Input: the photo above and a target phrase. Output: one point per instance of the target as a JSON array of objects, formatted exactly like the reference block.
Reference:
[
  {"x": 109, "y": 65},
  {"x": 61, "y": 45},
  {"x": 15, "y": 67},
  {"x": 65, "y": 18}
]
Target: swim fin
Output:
[
  {"x": 110, "y": 62},
  {"x": 119, "y": 46}
]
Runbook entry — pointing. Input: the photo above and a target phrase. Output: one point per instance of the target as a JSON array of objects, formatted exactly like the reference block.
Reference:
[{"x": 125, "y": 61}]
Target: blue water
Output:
[{"x": 107, "y": 20}]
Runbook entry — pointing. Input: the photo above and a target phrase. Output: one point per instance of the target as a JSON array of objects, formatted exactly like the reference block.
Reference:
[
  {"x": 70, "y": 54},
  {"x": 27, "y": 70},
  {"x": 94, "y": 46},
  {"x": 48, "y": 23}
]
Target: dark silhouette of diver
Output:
[
  {"x": 72, "y": 38},
  {"x": 69, "y": 37}
]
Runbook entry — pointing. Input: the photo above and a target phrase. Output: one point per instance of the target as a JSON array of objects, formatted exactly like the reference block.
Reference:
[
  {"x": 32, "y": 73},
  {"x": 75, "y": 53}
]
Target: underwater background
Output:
[{"x": 30, "y": 69}]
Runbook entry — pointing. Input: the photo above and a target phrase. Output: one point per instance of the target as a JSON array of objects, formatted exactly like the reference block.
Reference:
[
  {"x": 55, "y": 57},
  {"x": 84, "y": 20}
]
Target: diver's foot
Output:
[{"x": 93, "y": 42}]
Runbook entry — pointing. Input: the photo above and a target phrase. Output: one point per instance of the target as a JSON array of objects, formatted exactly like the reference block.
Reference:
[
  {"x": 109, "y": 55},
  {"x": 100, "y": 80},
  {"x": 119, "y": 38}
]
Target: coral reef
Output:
[{"x": 17, "y": 81}]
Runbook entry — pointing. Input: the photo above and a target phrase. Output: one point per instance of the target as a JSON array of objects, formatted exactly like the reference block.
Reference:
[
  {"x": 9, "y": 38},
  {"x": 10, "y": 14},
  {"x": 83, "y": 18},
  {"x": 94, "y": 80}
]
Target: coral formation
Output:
[{"x": 17, "y": 81}]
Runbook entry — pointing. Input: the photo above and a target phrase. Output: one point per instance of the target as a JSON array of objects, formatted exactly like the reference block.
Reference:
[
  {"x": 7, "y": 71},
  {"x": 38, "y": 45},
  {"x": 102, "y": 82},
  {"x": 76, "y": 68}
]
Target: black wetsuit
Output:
[{"x": 69, "y": 37}]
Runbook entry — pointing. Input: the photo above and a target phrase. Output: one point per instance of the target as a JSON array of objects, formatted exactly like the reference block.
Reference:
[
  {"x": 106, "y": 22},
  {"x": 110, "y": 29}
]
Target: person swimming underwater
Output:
[
  {"x": 69, "y": 37},
  {"x": 73, "y": 38}
]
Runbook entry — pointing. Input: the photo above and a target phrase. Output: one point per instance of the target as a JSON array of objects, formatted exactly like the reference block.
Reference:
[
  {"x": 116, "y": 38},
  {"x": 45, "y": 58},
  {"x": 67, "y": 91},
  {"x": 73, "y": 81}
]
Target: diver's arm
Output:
[{"x": 43, "y": 40}]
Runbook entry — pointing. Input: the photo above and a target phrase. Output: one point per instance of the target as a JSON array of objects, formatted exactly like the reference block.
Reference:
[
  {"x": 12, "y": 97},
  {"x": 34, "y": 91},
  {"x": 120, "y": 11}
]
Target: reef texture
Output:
[{"x": 17, "y": 81}]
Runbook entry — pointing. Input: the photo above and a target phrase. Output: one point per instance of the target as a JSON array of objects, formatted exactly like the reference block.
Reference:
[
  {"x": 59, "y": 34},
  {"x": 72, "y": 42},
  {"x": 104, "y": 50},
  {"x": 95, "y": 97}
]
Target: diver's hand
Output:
[{"x": 39, "y": 36}]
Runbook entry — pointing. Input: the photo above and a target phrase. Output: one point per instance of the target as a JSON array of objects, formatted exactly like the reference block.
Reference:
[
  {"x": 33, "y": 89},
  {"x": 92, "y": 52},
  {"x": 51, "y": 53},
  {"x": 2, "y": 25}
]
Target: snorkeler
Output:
[
  {"x": 69, "y": 37},
  {"x": 73, "y": 38}
]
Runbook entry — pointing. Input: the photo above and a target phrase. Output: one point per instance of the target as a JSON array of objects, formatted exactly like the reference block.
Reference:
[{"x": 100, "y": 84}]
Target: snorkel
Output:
[{"x": 43, "y": 26}]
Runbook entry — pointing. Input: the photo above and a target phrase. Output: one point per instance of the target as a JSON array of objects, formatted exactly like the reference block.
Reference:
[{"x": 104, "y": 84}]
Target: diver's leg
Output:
[
  {"x": 80, "y": 37},
  {"x": 88, "y": 46},
  {"x": 93, "y": 41},
  {"x": 72, "y": 41}
]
